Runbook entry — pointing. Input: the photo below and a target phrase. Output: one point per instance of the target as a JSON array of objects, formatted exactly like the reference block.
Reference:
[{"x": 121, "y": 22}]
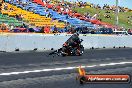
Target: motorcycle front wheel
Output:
[{"x": 63, "y": 52}]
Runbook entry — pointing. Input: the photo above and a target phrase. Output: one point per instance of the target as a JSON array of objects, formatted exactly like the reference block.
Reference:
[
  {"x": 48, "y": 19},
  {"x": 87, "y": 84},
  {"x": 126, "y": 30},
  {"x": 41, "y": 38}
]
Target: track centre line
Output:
[{"x": 59, "y": 69}]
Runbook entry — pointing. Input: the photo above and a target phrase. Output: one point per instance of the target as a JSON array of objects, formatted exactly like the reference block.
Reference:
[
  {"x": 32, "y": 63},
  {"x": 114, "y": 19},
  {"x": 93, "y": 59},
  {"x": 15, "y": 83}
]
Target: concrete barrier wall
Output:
[{"x": 25, "y": 42}]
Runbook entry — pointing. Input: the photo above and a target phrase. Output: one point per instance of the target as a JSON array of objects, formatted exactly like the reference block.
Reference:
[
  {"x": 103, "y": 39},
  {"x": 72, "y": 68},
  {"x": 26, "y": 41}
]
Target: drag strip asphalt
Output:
[{"x": 39, "y": 70}]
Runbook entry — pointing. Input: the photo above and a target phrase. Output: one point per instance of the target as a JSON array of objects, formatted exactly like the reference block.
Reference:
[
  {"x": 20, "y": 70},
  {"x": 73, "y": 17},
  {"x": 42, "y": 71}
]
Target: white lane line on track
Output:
[{"x": 58, "y": 69}]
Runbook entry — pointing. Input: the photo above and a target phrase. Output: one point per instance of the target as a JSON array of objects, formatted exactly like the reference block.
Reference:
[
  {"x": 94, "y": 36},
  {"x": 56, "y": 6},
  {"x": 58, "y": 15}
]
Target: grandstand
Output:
[
  {"x": 30, "y": 17},
  {"x": 37, "y": 17},
  {"x": 10, "y": 20},
  {"x": 40, "y": 14}
]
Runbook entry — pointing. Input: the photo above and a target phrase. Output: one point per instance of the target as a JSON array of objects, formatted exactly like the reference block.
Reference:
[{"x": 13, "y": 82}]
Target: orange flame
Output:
[{"x": 81, "y": 71}]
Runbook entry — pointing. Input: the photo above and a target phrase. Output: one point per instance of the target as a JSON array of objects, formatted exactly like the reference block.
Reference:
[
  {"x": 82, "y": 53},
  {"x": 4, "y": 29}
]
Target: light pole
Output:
[{"x": 117, "y": 11}]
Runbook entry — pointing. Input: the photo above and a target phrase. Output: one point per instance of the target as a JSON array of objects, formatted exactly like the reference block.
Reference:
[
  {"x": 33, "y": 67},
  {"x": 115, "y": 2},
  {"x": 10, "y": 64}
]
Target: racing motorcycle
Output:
[
  {"x": 72, "y": 51},
  {"x": 69, "y": 51}
]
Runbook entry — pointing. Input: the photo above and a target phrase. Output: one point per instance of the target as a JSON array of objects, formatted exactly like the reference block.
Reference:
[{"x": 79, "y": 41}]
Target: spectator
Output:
[
  {"x": 48, "y": 15},
  {"x": 3, "y": 26},
  {"x": 123, "y": 29},
  {"x": 129, "y": 19},
  {"x": 11, "y": 27},
  {"x": 5, "y": 6},
  {"x": 37, "y": 29},
  {"x": 18, "y": 17},
  {"x": 107, "y": 16},
  {"x": 55, "y": 29},
  {"x": 0, "y": 6},
  {"x": 92, "y": 32},
  {"x": 47, "y": 29},
  {"x": 129, "y": 31},
  {"x": 46, "y": 10},
  {"x": 65, "y": 29}
]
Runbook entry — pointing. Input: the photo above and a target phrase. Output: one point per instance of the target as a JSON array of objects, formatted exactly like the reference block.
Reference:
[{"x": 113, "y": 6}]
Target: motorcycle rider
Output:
[
  {"x": 73, "y": 42},
  {"x": 71, "y": 47}
]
